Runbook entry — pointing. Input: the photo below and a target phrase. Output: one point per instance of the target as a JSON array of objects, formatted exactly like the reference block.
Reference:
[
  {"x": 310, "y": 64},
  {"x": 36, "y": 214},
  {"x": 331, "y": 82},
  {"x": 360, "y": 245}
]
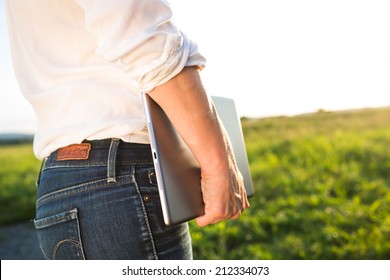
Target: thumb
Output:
[{"x": 206, "y": 219}]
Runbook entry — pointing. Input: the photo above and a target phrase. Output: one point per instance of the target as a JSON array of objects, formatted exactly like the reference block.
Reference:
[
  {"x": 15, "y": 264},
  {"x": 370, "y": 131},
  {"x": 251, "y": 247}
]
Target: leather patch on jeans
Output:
[{"x": 74, "y": 152}]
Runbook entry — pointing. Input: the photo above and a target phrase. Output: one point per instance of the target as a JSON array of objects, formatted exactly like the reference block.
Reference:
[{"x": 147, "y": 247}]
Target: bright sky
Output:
[{"x": 278, "y": 57}]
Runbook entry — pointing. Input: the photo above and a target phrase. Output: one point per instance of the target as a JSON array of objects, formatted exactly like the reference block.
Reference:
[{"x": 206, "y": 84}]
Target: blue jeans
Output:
[{"x": 105, "y": 206}]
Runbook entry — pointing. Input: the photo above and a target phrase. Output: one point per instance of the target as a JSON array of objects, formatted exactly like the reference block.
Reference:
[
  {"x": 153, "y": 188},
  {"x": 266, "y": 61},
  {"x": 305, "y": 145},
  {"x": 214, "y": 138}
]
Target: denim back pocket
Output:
[{"x": 59, "y": 236}]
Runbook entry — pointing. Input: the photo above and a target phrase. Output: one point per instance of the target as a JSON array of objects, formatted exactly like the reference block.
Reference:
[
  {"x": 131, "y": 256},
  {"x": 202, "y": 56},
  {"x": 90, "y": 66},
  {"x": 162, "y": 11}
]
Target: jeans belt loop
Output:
[{"x": 111, "y": 177}]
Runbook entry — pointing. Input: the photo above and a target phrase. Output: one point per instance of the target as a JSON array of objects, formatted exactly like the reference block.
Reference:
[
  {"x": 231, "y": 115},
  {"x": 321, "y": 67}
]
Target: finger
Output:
[
  {"x": 201, "y": 222},
  {"x": 245, "y": 201},
  {"x": 207, "y": 219},
  {"x": 247, "y": 204},
  {"x": 235, "y": 217}
]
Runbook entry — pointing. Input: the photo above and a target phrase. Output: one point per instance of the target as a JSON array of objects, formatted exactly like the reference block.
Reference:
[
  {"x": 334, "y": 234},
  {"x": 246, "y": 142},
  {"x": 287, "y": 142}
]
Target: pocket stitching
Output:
[
  {"x": 58, "y": 218},
  {"x": 49, "y": 221},
  {"x": 75, "y": 242},
  {"x": 60, "y": 193}
]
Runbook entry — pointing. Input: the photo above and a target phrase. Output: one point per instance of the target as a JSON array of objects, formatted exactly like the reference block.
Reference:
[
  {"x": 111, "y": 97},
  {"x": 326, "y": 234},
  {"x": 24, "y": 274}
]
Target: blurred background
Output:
[{"x": 310, "y": 80}]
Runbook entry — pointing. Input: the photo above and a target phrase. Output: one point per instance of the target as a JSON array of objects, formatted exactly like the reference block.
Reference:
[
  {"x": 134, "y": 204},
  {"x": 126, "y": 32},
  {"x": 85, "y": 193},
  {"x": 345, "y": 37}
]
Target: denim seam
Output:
[
  {"x": 94, "y": 164},
  {"x": 91, "y": 164},
  {"x": 79, "y": 236},
  {"x": 41, "y": 224},
  {"x": 44, "y": 253},
  {"x": 147, "y": 221},
  {"x": 60, "y": 193}
]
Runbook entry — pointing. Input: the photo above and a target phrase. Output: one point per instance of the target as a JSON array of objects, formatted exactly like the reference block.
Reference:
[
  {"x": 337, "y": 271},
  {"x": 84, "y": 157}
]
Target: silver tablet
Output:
[{"x": 177, "y": 171}]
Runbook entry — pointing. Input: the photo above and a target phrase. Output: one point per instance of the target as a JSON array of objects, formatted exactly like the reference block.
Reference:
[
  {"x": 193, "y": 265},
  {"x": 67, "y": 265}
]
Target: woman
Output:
[{"x": 83, "y": 65}]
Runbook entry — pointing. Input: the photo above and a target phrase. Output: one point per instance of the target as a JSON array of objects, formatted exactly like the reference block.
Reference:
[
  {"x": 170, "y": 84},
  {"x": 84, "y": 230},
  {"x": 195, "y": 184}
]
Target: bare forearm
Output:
[
  {"x": 185, "y": 102},
  {"x": 194, "y": 117}
]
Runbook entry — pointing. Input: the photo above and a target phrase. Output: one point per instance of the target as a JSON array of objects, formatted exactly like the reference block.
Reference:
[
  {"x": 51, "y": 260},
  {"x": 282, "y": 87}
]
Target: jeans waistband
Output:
[{"x": 107, "y": 152}]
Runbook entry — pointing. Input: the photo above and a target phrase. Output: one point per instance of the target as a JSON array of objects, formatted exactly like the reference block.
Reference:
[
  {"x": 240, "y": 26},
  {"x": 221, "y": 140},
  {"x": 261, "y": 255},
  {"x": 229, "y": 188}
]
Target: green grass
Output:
[
  {"x": 322, "y": 190},
  {"x": 18, "y": 172}
]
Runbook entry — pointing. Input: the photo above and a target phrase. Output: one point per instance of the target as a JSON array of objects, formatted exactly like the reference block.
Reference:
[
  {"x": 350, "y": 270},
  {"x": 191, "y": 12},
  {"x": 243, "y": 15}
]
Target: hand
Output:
[{"x": 224, "y": 194}]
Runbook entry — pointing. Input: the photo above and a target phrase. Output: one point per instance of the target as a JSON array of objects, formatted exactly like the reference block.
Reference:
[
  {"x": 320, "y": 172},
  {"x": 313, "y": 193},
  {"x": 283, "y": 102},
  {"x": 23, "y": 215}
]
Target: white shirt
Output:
[{"x": 83, "y": 64}]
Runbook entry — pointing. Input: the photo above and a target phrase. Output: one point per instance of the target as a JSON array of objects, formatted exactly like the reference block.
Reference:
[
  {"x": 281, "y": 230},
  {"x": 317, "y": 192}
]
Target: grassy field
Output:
[
  {"x": 322, "y": 190},
  {"x": 18, "y": 173}
]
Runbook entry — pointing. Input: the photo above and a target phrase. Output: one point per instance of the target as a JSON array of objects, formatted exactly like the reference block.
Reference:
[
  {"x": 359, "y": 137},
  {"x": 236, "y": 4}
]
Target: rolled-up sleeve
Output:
[{"x": 139, "y": 35}]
